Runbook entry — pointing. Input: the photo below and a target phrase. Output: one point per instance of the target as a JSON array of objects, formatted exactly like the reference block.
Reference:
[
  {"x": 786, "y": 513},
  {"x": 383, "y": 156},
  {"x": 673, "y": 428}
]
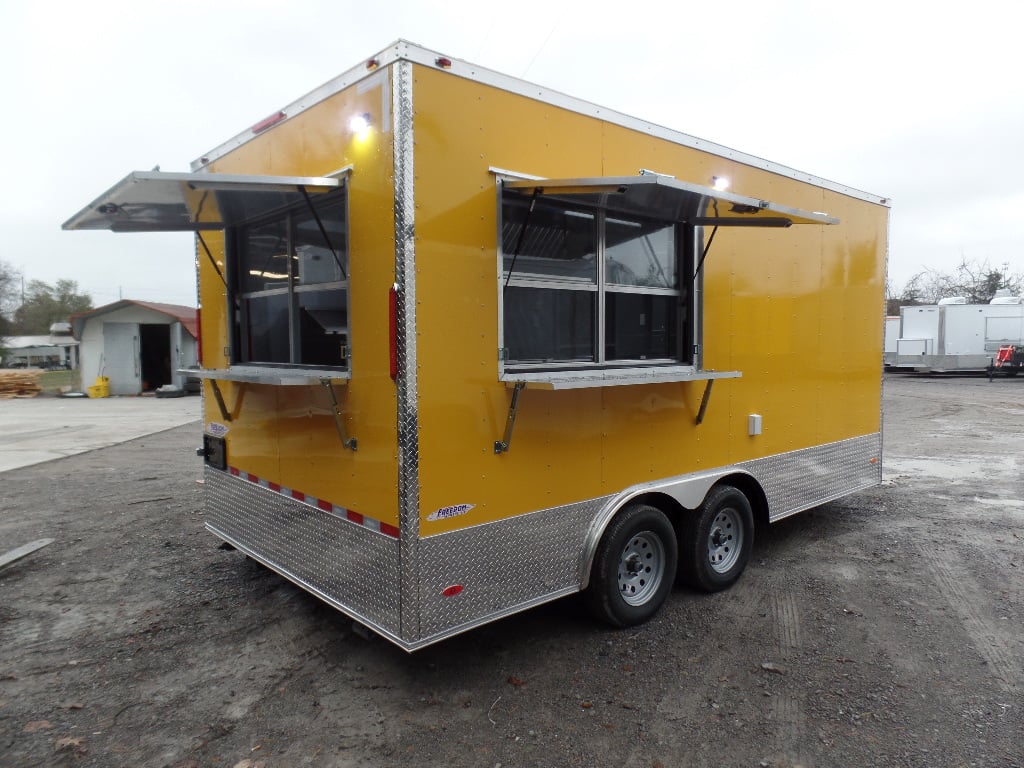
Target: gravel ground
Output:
[{"x": 885, "y": 629}]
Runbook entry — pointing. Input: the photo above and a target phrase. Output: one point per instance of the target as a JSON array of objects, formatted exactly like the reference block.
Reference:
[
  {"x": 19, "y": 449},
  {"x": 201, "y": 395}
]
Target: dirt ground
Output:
[{"x": 885, "y": 629}]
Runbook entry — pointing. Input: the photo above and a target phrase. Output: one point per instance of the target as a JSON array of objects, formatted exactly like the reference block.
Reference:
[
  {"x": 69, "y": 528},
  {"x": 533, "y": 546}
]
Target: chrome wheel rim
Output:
[
  {"x": 725, "y": 540},
  {"x": 641, "y": 568}
]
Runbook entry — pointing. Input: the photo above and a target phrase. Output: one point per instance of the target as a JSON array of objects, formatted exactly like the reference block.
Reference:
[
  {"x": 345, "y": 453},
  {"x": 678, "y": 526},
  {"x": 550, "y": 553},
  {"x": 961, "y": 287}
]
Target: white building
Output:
[
  {"x": 57, "y": 350},
  {"x": 138, "y": 345}
]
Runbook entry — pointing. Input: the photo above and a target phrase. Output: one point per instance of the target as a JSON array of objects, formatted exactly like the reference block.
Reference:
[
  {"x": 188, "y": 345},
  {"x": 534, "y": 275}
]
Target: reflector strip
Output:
[{"x": 321, "y": 504}]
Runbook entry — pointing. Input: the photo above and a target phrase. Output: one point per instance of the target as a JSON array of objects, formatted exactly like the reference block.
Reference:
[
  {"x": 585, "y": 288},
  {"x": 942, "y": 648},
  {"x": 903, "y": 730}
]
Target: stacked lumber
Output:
[{"x": 19, "y": 383}]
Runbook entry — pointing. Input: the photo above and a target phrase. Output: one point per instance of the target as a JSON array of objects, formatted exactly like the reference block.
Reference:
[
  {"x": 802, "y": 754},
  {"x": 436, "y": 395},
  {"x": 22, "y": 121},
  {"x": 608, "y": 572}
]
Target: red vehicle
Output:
[{"x": 1009, "y": 360}]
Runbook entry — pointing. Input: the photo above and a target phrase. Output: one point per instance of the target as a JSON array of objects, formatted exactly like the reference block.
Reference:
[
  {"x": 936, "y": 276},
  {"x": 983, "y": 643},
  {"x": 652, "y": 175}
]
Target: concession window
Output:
[
  {"x": 155, "y": 201},
  {"x": 601, "y": 276}
]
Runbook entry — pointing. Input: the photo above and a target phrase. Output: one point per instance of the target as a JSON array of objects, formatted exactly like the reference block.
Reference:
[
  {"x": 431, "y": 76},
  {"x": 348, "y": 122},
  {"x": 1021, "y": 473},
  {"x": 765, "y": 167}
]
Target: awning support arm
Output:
[
  {"x": 503, "y": 445},
  {"x": 213, "y": 261},
  {"x": 219, "y": 397},
  {"x": 323, "y": 232},
  {"x": 339, "y": 419},
  {"x": 704, "y": 255},
  {"x": 519, "y": 241}
]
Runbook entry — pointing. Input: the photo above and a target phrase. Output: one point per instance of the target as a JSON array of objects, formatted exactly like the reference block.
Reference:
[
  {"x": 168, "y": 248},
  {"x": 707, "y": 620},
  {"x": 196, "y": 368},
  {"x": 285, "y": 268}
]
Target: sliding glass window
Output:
[
  {"x": 588, "y": 287},
  {"x": 291, "y": 282}
]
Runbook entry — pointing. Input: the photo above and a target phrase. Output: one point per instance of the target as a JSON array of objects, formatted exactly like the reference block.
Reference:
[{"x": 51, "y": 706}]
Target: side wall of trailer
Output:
[{"x": 797, "y": 310}]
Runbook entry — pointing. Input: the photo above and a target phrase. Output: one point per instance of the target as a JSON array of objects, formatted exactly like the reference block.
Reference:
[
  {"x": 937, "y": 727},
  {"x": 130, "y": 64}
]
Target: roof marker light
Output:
[
  {"x": 443, "y": 62},
  {"x": 372, "y": 64},
  {"x": 266, "y": 122}
]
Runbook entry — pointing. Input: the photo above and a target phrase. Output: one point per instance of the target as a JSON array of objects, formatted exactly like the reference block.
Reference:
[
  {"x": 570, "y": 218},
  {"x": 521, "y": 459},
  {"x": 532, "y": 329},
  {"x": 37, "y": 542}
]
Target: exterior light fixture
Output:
[
  {"x": 720, "y": 183},
  {"x": 359, "y": 124}
]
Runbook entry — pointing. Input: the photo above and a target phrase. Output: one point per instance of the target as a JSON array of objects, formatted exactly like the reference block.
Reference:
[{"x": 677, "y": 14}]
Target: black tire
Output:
[
  {"x": 716, "y": 539},
  {"x": 634, "y": 566}
]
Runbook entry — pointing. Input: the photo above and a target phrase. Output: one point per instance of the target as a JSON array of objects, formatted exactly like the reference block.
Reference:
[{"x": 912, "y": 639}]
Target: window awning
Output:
[
  {"x": 668, "y": 199},
  {"x": 154, "y": 201}
]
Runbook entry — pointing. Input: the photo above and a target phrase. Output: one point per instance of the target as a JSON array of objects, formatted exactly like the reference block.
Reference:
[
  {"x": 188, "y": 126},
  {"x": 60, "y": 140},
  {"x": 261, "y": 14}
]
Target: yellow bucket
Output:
[{"x": 101, "y": 388}]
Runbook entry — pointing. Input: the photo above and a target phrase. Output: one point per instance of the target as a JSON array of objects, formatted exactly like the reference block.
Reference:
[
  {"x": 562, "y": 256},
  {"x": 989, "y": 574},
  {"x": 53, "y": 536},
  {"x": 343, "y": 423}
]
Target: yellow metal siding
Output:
[{"x": 798, "y": 311}]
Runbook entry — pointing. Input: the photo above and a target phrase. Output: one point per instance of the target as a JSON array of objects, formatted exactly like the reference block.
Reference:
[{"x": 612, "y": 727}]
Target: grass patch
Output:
[{"x": 51, "y": 382}]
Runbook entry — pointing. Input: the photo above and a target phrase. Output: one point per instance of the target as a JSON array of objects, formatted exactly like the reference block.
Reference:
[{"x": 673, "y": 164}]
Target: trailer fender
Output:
[{"x": 689, "y": 491}]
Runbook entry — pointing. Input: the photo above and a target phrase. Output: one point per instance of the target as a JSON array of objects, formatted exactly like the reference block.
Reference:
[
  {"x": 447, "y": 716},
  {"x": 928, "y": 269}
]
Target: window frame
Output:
[
  {"x": 686, "y": 356},
  {"x": 239, "y": 297}
]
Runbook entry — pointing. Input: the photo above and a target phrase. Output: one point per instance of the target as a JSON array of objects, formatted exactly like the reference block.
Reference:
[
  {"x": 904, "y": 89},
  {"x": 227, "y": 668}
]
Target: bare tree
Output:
[
  {"x": 976, "y": 281},
  {"x": 10, "y": 281}
]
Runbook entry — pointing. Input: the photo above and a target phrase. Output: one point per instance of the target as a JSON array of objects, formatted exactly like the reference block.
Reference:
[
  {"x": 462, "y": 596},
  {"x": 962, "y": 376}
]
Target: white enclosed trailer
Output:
[{"x": 948, "y": 337}]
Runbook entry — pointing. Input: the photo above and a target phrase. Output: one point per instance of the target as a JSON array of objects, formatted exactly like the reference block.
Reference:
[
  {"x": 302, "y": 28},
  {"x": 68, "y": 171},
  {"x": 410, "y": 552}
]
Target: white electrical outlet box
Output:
[{"x": 754, "y": 424}]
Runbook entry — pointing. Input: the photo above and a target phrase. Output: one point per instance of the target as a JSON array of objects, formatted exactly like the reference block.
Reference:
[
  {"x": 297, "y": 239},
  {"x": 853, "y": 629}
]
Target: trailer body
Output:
[{"x": 508, "y": 337}]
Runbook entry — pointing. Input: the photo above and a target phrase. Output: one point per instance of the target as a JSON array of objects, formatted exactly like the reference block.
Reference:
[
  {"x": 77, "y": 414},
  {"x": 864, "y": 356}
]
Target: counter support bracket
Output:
[
  {"x": 704, "y": 401},
  {"x": 339, "y": 419},
  {"x": 503, "y": 445},
  {"x": 219, "y": 397}
]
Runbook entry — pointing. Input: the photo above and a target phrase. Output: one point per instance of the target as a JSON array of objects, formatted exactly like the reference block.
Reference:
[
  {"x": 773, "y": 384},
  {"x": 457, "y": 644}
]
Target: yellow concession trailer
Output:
[{"x": 469, "y": 345}]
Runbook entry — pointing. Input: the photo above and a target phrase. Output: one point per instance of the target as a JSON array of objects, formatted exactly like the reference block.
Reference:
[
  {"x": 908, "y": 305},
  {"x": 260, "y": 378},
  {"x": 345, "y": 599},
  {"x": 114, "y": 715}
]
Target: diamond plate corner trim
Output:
[
  {"x": 802, "y": 479},
  {"x": 504, "y": 567},
  {"x": 408, "y": 412},
  {"x": 351, "y": 567}
]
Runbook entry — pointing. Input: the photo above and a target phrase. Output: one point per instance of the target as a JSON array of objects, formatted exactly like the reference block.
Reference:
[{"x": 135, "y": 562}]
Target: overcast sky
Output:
[{"x": 921, "y": 102}]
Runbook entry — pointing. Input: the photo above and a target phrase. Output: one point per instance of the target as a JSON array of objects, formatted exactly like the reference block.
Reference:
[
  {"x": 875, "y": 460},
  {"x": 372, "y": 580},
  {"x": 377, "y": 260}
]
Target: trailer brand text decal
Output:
[
  {"x": 453, "y": 511},
  {"x": 215, "y": 429}
]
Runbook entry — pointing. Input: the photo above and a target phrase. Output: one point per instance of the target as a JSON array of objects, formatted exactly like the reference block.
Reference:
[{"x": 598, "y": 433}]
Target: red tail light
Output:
[
  {"x": 199, "y": 336},
  {"x": 393, "y": 329}
]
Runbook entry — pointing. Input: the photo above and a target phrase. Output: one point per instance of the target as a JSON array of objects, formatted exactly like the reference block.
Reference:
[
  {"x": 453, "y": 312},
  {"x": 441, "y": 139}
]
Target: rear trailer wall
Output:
[
  {"x": 294, "y": 498},
  {"x": 288, "y": 434}
]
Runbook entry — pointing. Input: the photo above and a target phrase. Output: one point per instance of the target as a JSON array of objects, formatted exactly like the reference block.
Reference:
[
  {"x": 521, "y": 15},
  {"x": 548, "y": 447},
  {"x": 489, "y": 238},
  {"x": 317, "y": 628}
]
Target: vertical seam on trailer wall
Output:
[{"x": 408, "y": 414}]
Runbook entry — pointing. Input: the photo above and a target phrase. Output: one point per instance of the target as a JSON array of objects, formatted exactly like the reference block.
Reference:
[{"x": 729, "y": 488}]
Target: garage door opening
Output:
[{"x": 155, "y": 354}]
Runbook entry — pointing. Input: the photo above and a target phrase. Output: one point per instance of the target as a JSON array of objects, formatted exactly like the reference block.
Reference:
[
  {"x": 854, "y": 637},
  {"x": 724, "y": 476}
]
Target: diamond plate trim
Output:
[
  {"x": 802, "y": 479},
  {"x": 350, "y": 566},
  {"x": 408, "y": 414},
  {"x": 511, "y": 565},
  {"x": 504, "y": 567}
]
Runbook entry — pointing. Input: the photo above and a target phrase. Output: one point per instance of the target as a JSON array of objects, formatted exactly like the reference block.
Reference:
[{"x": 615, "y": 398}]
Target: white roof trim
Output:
[{"x": 403, "y": 50}]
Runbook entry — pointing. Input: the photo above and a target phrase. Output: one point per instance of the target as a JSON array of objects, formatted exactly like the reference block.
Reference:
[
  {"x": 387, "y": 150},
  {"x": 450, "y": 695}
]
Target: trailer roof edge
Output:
[{"x": 403, "y": 50}]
